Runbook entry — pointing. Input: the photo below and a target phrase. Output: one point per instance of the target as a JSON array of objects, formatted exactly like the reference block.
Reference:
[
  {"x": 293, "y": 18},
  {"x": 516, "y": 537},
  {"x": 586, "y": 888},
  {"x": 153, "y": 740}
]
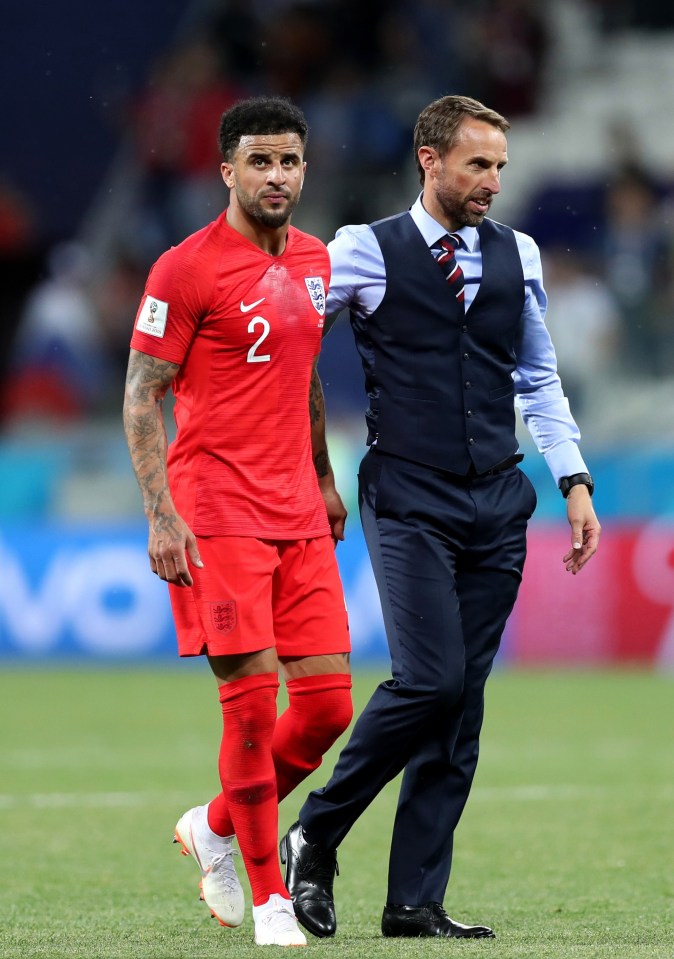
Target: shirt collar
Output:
[{"x": 432, "y": 231}]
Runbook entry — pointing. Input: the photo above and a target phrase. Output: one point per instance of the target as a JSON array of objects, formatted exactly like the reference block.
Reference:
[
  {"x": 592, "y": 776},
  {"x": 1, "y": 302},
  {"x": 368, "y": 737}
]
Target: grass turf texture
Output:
[{"x": 566, "y": 846}]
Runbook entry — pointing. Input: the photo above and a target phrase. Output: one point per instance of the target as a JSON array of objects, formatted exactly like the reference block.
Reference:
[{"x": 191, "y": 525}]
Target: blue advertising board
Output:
[{"x": 86, "y": 591}]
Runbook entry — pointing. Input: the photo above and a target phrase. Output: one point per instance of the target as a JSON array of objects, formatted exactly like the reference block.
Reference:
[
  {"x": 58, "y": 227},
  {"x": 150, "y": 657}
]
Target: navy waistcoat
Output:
[{"x": 439, "y": 380}]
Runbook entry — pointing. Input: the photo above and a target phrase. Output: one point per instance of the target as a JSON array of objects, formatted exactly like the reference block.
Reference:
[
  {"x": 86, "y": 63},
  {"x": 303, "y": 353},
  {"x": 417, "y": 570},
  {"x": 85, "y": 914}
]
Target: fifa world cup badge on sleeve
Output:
[
  {"x": 317, "y": 295},
  {"x": 152, "y": 317}
]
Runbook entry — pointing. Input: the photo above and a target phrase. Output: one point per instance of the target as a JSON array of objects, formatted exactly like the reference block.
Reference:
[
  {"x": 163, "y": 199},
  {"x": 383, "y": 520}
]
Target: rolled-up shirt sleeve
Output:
[{"x": 538, "y": 391}]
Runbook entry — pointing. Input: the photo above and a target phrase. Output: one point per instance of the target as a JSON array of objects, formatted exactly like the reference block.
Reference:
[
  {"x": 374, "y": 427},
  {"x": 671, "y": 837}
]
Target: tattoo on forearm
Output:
[
  {"x": 147, "y": 381},
  {"x": 321, "y": 463},
  {"x": 317, "y": 420},
  {"x": 316, "y": 401}
]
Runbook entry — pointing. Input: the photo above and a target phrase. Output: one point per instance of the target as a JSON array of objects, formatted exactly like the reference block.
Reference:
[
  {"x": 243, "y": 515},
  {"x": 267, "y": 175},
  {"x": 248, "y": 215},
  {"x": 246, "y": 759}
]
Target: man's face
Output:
[
  {"x": 267, "y": 173},
  {"x": 465, "y": 180}
]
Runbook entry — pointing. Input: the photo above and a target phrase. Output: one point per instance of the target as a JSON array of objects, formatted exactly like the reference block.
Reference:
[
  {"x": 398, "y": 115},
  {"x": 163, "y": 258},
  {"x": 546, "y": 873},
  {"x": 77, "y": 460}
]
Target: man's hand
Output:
[
  {"x": 335, "y": 508},
  {"x": 170, "y": 543},
  {"x": 585, "y": 529}
]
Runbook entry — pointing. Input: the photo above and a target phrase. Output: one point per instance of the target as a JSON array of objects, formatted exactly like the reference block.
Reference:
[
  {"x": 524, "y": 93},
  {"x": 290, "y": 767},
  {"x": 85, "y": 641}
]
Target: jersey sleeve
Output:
[{"x": 171, "y": 308}]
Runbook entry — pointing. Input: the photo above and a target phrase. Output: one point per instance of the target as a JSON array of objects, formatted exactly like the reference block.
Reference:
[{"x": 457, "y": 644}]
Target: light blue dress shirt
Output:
[{"x": 358, "y": 282}]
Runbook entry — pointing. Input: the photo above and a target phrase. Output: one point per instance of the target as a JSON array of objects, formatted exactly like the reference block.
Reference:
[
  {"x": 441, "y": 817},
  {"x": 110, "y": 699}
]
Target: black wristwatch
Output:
[{"x": 578, "y": 479}]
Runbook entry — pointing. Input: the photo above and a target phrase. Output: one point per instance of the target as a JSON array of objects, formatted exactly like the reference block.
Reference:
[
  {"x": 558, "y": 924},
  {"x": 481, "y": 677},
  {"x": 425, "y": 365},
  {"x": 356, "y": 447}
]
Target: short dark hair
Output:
[
  {"x": 260, "y": 115},
  {"x": 438, "y": 124}
]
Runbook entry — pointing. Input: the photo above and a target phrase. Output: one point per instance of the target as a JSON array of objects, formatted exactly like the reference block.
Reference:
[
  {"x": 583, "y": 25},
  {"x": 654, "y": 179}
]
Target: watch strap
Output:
[{"x": 567, "y": 483}]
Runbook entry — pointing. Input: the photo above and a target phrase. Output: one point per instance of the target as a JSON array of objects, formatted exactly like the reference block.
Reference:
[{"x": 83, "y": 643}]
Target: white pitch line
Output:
[
  {"x": 569, "y": 792},
  {"x": 107, "y": 800},
  {"x": 531, "y": 793}
]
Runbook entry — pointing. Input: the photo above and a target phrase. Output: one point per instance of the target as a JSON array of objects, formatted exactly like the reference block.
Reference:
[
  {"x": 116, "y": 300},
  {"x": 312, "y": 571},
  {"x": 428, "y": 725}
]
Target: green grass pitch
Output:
[{"x": 566, "y": 846}]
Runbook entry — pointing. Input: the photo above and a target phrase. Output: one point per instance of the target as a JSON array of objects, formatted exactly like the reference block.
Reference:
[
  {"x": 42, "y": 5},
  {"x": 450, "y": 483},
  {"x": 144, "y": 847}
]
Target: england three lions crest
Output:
[
  {"x": 223, "y": 615},
  {"x": 316, "y": 294}
]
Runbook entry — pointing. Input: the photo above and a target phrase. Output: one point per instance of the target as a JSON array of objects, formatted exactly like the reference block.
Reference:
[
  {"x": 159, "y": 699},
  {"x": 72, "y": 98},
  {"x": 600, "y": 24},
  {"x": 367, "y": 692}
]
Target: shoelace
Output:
[
  {"x": 223, "y": 865},
  {"x": 282, "y": 918}
]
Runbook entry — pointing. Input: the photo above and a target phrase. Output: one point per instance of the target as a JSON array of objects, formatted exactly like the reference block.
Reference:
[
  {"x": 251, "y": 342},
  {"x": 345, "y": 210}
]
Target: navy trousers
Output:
[{"x": 447, "y": 554}]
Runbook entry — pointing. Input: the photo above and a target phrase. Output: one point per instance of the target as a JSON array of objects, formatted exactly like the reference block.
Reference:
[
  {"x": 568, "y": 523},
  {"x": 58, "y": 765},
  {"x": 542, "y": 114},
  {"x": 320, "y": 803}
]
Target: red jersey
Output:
[{"x": 245, "y": 328}]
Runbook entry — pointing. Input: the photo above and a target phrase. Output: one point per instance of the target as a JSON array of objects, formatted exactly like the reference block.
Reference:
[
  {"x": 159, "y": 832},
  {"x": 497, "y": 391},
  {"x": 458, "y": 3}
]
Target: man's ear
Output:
[
  {"x": 227, "y": 173},
  {"x": 428, "y": 159}
]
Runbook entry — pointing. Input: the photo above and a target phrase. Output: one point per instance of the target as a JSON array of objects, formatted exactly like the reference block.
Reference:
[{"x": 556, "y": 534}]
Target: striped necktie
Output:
[{"x": 444, "y": 255}]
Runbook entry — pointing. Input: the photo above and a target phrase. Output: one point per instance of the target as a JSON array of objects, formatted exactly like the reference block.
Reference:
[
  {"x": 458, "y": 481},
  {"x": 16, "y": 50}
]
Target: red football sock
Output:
[
  {"x": 319, "y": 710},
  {"x": 249, "y": 780},
  {"x": 218, "y": 816}
]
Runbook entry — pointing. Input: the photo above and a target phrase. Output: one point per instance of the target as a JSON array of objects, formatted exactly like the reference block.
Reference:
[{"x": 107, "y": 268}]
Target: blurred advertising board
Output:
[{"x": 85, "y": 592}]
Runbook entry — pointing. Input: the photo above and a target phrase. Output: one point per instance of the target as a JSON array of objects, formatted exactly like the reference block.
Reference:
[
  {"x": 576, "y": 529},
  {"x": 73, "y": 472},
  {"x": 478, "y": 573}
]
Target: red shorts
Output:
[{"x": 254, "y": 594}]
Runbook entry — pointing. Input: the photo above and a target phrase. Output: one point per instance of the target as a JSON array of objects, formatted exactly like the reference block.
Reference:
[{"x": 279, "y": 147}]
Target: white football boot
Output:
[
  {"x": 220, "y": 886},
  {"x": 276, "y": 925}
]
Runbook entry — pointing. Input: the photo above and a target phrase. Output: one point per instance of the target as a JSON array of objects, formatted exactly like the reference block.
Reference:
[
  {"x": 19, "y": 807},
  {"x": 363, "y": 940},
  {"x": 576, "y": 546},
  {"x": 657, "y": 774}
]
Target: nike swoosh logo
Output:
[{"x": 251, "y": 306}]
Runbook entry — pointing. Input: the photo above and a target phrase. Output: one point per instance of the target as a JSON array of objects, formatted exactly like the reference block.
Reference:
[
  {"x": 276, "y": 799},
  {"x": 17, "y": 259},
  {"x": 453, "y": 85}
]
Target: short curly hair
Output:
[{"x": 259, "y": 115}]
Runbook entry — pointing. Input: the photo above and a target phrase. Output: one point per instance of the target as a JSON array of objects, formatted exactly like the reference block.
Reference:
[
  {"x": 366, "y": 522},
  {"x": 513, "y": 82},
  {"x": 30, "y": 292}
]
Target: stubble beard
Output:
[
  {"x": 456, "y": 210},
  {"x": 271, "y": 218}
]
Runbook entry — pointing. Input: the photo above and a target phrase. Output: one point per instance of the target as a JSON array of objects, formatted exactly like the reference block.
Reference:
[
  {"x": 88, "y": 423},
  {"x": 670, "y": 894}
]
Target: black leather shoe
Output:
[
  {"x": 310, "y": 873},
  {"x": 428, "y": 920}
]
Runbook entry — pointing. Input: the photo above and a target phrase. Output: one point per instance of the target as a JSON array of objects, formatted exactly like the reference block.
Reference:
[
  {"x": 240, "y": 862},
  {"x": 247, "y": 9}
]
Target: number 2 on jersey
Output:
[{"x": 254, "y": 357}]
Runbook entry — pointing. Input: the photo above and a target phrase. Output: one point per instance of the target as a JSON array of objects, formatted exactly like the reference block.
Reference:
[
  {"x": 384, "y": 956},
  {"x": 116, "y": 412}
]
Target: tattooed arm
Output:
[
  {"x": 147, "y": 382},
  {"x": 319, "y": 451}
]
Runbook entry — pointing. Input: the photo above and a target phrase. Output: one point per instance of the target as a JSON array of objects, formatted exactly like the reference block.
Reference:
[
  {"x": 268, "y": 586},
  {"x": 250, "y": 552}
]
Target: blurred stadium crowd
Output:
[{"x": 361, "y": 71}]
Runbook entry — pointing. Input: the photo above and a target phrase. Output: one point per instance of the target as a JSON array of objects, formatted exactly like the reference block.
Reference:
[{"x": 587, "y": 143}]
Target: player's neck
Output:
[{"x": 271, "y": 240}]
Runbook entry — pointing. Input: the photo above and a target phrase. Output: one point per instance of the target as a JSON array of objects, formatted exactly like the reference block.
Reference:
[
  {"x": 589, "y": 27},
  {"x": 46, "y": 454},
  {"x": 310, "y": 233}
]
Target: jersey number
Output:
[{"x": 253, "y": 357}]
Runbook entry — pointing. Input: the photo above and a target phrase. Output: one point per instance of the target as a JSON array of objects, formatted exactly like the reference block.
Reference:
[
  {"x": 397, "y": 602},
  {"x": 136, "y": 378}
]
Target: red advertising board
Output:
[{"x": 620, "y": 608}]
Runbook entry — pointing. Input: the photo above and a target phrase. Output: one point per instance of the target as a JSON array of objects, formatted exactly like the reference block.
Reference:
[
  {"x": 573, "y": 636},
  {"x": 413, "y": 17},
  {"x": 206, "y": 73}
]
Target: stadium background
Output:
[{"x": 108, "y": 156}]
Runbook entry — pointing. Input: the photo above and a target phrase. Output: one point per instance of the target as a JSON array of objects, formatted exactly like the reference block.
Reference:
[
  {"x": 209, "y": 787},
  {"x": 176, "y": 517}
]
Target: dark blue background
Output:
[{"x": 66, "y": 73}]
